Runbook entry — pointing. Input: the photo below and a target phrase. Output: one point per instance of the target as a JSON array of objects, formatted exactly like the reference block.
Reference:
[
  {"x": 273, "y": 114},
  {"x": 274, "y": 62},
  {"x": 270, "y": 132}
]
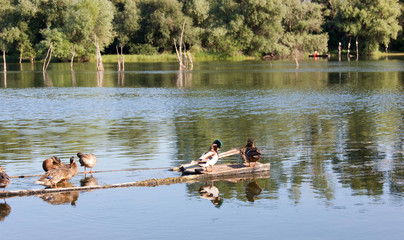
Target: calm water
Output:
[{"x": 332, "y": 131}]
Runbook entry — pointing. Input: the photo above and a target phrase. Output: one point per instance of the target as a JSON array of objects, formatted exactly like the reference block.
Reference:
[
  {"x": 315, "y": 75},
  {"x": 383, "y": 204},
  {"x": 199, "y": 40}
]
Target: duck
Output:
[
  {"x": 218, "y": 143},
  {"x": 4, "y": 179},
  {"x": 56, "y": 175},
  {"x": 87, "y": 160},
  {"x": 51, "y": 163},
  {"x": 209, "y": 158},
  {"x": 250, "y": 153}
]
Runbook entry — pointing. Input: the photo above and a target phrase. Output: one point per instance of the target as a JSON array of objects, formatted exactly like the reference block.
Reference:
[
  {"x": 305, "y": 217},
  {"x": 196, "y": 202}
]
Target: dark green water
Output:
[{"x": 332, "y": 131}]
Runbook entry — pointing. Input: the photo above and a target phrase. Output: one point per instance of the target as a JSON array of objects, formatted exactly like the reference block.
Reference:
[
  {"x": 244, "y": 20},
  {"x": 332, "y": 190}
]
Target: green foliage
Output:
[
  {"x": 232, "y": 27},
  {"x": 142, "y": 49},
  {"x": 126, "y": 21},
  {"x": 303, "y": 32},
  {"x": 371, "y": 22},
  {"x": 161, "y": 22},
  {"x": 61, "y": 46}
]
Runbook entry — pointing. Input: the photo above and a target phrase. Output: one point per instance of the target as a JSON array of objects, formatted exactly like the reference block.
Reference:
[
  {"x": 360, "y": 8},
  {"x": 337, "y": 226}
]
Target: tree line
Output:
[{"x": 77, "y": 29}]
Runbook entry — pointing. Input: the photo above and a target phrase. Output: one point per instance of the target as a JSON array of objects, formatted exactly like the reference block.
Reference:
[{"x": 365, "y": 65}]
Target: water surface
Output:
[{"x": 332, "y": 131}]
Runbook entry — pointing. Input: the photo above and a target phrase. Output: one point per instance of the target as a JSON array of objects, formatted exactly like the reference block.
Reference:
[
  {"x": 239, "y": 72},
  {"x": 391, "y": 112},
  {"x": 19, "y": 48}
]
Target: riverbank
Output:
[
  {"x": 197, "y": 57},
  {"x": 166, "y": 57}
]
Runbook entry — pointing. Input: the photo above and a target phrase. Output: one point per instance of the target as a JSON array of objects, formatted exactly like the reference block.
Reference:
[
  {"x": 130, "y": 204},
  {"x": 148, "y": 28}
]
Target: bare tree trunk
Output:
[
  {"x": 339, "y": 51},
  {"x": 5, "y": 79},
  {"x": 4, "y": 59},
  {"x": 72, "y": 59},
  {"x": 100, "y": 67},
  {"x": 73, "y": 78},
  {"x": 357, "y": 49},
  {"x": 190, "y": 60},
  {"x": 100, "y": 78},
  {"x": 119, "y": 59},
  {"x": 184, "y": 57},
  {"x": 349, "y": 50},
  {"x": 47, "y": 58},
  {"x": 122, "y": 59}
]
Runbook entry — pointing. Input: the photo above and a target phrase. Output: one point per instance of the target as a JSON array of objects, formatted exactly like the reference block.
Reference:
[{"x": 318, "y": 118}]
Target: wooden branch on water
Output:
[
  {"x": 262, "y": 172},
  {"x": 105, "y": 171}
]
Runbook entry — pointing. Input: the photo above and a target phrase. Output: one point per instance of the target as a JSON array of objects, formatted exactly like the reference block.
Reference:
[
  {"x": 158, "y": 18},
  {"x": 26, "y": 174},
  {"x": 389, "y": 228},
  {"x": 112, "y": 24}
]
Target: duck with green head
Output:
[{"x": 210, "y": 158}]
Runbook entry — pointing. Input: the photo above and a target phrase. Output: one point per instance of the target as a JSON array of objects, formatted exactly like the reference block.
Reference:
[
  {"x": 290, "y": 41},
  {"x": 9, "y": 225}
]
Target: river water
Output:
[{"x": 332, "y": 131}]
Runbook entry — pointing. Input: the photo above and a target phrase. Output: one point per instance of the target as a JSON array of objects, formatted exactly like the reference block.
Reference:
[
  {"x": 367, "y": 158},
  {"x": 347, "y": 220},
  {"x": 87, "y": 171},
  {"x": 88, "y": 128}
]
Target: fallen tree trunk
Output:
[{"x": 264, "y": 173}]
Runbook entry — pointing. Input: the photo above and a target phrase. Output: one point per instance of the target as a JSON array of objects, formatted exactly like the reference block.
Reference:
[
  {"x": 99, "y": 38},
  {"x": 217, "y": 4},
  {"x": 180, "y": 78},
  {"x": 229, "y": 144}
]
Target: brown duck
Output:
[
  {"x": 250, "y": 153},
  {"x": 54, "y": 176},
  {"x": 52, "y": 163},
  {"x": 88, "y": 161},
  {"x": 4, "y": 179}
]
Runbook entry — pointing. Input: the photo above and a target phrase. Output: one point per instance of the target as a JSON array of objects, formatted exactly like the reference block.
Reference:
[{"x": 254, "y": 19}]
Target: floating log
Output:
[
  {"x": 228, "y": 169},
  {"x": 229, "y": 153},
  {"x": 260, "y": 171},
  {"x": 105, "y": 171}
]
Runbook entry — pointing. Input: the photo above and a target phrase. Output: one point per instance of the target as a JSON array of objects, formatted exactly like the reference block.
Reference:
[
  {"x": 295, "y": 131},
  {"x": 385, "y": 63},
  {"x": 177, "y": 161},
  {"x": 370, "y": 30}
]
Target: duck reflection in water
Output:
[
  {"x": 252, "y": 190},
  {"x": 88, "y": 182},
  {"x": 5, "y": 210},
  {"x": 62, "y": 197},
  {"x": 211, "y": 193}
]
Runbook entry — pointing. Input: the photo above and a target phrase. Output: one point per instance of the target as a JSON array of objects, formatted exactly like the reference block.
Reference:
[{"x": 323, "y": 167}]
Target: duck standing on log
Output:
[
  {"x": 88, "y": 161},
  {"x": 54, "y": 176},
  {"x": 209, "y": 158},
  {"x": 52, "y": 163},
  {"x": 4, "y": 179},
  {"x": 250, "y": 153}
]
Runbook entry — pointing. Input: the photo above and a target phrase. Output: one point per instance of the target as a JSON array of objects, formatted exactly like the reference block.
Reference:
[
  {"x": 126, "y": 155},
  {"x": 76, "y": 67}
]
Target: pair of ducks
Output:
[
  {"x": 250, "y": 153},
  {"x": 57, "y": 172}
]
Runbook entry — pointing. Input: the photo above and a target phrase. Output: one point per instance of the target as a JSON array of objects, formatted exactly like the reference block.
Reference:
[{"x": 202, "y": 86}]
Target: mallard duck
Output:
[
  {"x": 250, "y": 153},
  {"x": 88, "y": 161},
  {"x": 51, "y": 163},
  {"x": 4, "y": 179},
  {"x": 209, "y": 158},
  {"x": 54, "y": 176}
]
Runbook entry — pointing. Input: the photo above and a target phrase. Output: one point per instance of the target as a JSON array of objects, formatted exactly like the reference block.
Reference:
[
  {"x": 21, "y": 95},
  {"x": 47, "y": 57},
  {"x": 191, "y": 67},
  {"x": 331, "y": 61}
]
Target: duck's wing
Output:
[
  {"x": 207, "y": 155},
  {"x": 4, "y": 178}
]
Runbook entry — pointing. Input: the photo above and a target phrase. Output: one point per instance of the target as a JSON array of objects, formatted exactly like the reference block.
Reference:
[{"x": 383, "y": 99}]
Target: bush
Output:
[{"x": 142, "y": 49}]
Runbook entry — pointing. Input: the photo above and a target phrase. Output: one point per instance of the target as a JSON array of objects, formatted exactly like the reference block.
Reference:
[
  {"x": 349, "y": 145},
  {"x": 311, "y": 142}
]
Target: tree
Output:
[
  {"x": 25, "y": 13},
  {"x": 161, "y": 22},
  {"x": 303, "y": 27},
  {"x": 102, "y": 15},
  {"x": 78, "y": 28},
  {"x": 8, "y": 33},
  {"x": 371, "y": 22},
  {"x": 126, "y": 24}
]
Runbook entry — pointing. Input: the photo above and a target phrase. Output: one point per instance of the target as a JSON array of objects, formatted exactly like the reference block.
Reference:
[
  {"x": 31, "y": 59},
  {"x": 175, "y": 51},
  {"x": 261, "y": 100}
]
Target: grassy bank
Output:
[{"x": 165, "y": 57}]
